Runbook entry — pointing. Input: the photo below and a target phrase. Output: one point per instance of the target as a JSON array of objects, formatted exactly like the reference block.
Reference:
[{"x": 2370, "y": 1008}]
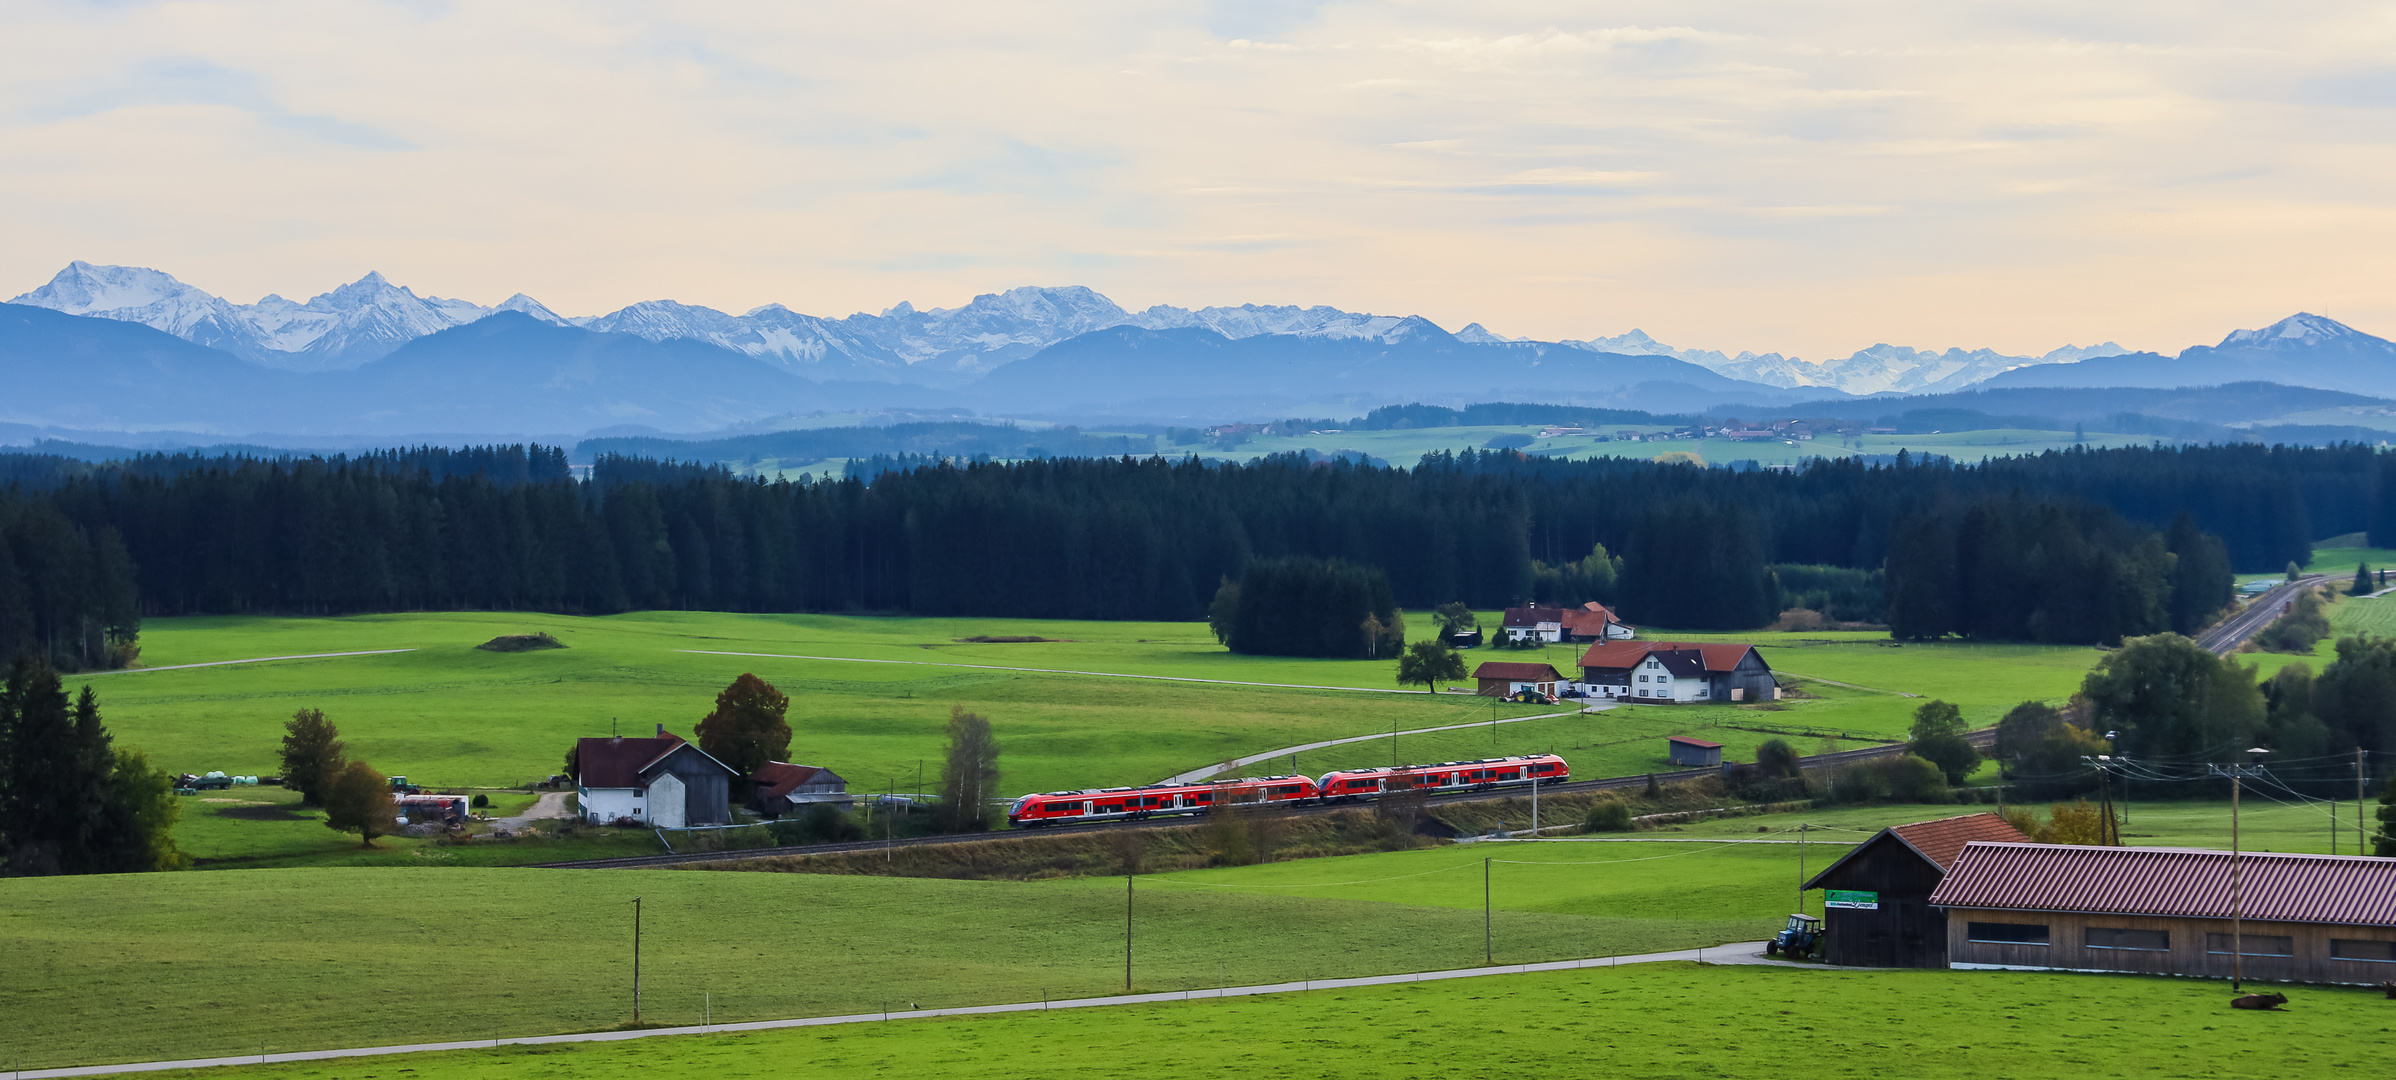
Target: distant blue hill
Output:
[
  {"x": 1128, "y": 369},
  {"x": 2301, "y": 350}
]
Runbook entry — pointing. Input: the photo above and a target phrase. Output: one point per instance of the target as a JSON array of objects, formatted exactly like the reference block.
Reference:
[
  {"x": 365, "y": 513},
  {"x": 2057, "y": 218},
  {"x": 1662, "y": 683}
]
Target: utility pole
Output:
[
  {"x": 2360, "y": 848},
  {"x": 1534, "y": 802},
  {"x": 1801, "y": 868},
  {"x": 2237, "y": 774},
  {"x": 636, "y": 960},
  {"x": 1127, "y": 931},
  {"x": 1488, "y": 948}
]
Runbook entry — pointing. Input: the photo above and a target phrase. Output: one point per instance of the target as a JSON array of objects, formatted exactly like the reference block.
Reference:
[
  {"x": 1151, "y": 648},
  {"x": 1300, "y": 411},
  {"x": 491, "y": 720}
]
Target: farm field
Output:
[
  {"x": 2264, "y": 825},
  {"x": 1650, "y": 1020},
  {"x": 142, "y": 967},
  {"x": 1407, "y": 446},
  {"x": 449, "y": 714}
]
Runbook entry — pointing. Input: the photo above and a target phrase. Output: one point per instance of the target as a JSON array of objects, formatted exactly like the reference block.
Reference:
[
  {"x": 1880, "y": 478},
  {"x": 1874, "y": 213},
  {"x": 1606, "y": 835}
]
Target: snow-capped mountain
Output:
[
  {"x": 1883, "y": 368},
  {"x": 153, "y": 299},
  {"x": 944, "y": 347},
  {"x": 344, "y": 328}
]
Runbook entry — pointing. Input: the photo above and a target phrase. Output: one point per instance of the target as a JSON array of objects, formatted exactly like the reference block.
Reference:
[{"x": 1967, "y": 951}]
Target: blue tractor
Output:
[{"x": 1801, "y": 939}]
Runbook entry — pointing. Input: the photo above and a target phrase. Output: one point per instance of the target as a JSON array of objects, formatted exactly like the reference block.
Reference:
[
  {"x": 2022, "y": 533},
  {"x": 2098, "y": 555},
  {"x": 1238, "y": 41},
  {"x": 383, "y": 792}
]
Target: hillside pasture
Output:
[{"x": 1649, "y": 1020}]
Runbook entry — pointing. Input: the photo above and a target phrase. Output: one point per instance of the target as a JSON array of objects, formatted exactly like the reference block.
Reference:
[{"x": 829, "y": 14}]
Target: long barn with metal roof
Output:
[{"x": 2168, "y": 911}]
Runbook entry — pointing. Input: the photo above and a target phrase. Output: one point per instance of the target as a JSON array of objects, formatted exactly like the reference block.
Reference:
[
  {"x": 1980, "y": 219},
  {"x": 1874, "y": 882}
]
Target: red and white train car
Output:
[
  {"x": 1354, "y": 784},
  {"x": 1119, "y": 804}
]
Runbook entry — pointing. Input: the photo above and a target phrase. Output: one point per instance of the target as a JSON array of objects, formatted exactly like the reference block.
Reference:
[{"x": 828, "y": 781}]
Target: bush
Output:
[
  {"x": 1913, "y": 779},
  {"x": 1609, "y": 815},
  {"x": 1776, "y": 758},
  {"x": 480, "y": 802}
]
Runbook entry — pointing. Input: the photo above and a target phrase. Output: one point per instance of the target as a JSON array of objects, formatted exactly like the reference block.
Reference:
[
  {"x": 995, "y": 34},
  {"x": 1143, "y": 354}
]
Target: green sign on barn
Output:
[{"x": 1850, "y": 898}]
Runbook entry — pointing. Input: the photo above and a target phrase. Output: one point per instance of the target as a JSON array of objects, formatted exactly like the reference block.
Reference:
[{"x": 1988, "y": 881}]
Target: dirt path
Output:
[{"x": 551, "y": 804}]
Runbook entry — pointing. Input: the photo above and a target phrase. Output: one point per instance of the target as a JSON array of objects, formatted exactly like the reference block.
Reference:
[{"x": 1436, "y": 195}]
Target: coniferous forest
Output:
[{"x": 2085, "y": 545}]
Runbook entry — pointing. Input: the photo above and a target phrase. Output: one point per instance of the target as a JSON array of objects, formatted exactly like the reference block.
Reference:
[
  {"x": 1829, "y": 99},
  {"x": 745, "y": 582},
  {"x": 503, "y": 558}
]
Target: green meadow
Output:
[
  {"x": 1650, "y": 1020},
  {"x": 447, "y": 713},
  {"x": 175, "y": 965}
]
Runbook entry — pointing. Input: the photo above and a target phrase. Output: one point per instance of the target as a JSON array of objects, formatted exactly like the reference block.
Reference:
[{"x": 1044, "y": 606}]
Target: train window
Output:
[
  {"x": 1545, "y": 768},
  {"x": 1204, "y": 797},
  {"x": 1286, "y": 789}
]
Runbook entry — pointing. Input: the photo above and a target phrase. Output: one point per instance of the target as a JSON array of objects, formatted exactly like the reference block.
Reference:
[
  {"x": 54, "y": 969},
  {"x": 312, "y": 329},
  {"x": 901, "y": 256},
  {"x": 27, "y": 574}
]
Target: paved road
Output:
[
  {"x": 1743, "y": 952},
  {"x": 2234, "y": 631},
  {"x": 252, "y": 660}
]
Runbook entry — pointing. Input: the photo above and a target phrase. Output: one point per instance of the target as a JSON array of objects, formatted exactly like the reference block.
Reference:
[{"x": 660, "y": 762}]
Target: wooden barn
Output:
[
  {"x": 1877, "y": 910},
  {"x": 2166, "y": 911},
  {"x": 1506, "y": 678}
]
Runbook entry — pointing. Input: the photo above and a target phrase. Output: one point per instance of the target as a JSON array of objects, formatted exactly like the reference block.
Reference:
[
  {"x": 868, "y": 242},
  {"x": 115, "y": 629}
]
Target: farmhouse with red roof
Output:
[{"x": 1661, "y": 672}]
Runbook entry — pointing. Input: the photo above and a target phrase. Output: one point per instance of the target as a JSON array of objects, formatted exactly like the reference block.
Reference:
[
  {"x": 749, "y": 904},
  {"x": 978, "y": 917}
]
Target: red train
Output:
[
  {"x": 1351, "y": 785},
  {"x": 1123, "y": 803},
  {"x": 1355, "y": 784}
]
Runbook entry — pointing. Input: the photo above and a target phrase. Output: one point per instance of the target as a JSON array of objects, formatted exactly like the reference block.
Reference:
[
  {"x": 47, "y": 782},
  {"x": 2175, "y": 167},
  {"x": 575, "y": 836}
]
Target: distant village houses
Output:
[{"x": 1588, "y": 622}]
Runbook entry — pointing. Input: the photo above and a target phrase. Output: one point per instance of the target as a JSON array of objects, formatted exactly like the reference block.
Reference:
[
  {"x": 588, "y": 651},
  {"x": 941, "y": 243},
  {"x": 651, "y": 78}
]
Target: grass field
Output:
[
  {"x": 175, "y": 965},
  {"x": 1661, "y": 1020},
  {"x": 1405, "y": 447},
  {"x": 450, "y": 714}
]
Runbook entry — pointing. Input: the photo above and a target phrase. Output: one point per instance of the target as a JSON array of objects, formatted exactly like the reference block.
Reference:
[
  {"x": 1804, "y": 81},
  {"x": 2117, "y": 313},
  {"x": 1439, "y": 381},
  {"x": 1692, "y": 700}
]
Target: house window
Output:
[
  {"x": 1642, "y": 678},
  {"x": 2378, "y": 952},
  {"x": 2107, "y": 937},
  {"x": 2252, "y": 944},
  {"x": 2005, "y": 933},
  {"x": 1642, "y": 691}
]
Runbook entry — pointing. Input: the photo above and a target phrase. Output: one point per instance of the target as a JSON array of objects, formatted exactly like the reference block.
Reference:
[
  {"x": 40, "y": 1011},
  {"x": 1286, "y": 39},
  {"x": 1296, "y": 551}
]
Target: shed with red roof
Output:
[
  {"x": 662, "y": 782},
  {"x": 2168, "y": 911},
  {"x": 1506, "y": 678}
]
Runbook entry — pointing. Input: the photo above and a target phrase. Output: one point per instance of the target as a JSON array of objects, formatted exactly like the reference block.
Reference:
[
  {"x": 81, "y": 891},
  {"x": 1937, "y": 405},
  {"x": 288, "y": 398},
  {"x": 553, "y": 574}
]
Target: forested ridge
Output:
[{"x": 1119, "y": 538}]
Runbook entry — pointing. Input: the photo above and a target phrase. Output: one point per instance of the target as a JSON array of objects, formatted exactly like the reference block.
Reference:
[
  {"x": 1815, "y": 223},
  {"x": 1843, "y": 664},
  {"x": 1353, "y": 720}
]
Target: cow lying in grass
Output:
[{"x": 2259, "y": 1001}]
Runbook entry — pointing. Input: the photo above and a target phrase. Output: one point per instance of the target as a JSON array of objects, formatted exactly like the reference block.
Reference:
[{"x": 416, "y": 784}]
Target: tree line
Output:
[{"x": 1126, "y": 538}]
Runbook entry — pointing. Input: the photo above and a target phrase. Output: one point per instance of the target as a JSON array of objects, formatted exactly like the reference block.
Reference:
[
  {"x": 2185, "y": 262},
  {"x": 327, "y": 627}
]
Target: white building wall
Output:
[
  {"x": 668, "y": 802},
  {"x": 608, "y": 804}
]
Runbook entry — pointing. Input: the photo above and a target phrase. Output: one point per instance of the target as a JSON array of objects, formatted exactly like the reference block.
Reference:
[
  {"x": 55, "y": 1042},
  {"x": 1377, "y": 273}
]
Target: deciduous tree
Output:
[
  {"x": 1938, "y": 738},
  {"x": 1429, "y": 663},
  {"x": 358, "y": 799},
  {"x": 747, "y": 728},
  {"x": 312, "y": 754},
  {"x": 2167, "y": 697},
  {"x": 969, "y": 773}
]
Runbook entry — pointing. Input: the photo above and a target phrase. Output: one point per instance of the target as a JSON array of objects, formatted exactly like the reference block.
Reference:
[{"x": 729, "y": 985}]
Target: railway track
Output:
[{"x": 1981, "y": 739}]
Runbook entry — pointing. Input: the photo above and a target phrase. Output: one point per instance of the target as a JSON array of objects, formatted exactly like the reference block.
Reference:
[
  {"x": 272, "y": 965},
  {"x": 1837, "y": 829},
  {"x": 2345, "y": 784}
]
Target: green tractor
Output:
[{"x": 1801, "y": 939}]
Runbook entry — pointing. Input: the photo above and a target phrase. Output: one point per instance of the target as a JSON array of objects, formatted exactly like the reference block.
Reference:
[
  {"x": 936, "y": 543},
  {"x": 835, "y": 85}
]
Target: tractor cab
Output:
[{"x": 1800, "y": 938}]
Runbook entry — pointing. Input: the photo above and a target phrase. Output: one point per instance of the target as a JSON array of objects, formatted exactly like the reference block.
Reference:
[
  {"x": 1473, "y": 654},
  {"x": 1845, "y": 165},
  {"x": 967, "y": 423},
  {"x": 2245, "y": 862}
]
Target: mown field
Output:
[
  {"x": 176, "y": 965},
  {"x": 1661, "y": 1020},
  {"x": 450, "y": 714}
]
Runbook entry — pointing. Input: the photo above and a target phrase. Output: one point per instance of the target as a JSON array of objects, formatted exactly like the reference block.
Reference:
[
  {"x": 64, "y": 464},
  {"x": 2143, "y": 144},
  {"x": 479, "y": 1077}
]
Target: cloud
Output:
[{"x": 1806, "y": 176}]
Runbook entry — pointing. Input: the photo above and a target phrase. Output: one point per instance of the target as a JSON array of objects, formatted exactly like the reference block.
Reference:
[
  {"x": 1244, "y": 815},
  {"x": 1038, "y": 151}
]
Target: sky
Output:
[{"x": 1802, "y": 177}]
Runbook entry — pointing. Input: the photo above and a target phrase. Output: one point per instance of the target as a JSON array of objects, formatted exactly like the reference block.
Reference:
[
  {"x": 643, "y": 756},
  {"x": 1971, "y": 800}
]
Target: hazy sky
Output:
[{"x": 1800, "y": 176}]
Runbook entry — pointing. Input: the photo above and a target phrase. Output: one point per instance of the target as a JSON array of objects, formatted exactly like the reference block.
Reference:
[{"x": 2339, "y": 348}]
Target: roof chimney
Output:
[{"x": 661, "y": 731}]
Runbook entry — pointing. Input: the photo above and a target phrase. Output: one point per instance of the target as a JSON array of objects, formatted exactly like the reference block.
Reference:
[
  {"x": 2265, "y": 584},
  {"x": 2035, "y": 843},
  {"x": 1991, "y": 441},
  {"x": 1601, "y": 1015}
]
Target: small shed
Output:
[
  {"x": 1696, "y": 753},
  {"x": 1505, "y": 678},
  {"x": 1465, "y": 639},
  {"x": 1876, "y": 907}
]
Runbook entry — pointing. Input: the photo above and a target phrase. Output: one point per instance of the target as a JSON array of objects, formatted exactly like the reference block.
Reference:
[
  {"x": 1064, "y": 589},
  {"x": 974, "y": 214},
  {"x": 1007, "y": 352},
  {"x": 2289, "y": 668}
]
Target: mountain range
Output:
[
  {"x": 134, "y": 349},
  {"x": 946, "y": 347}
]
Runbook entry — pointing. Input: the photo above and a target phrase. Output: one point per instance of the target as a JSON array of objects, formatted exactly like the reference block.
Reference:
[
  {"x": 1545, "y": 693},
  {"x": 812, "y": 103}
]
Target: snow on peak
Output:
[
  {"x": 2300, "y": 329},
  {"x": 532, "y": 307}
]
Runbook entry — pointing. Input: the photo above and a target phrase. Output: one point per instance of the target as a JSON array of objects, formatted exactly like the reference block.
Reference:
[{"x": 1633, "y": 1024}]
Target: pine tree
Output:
[{"x": 2362, "y": 580}]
